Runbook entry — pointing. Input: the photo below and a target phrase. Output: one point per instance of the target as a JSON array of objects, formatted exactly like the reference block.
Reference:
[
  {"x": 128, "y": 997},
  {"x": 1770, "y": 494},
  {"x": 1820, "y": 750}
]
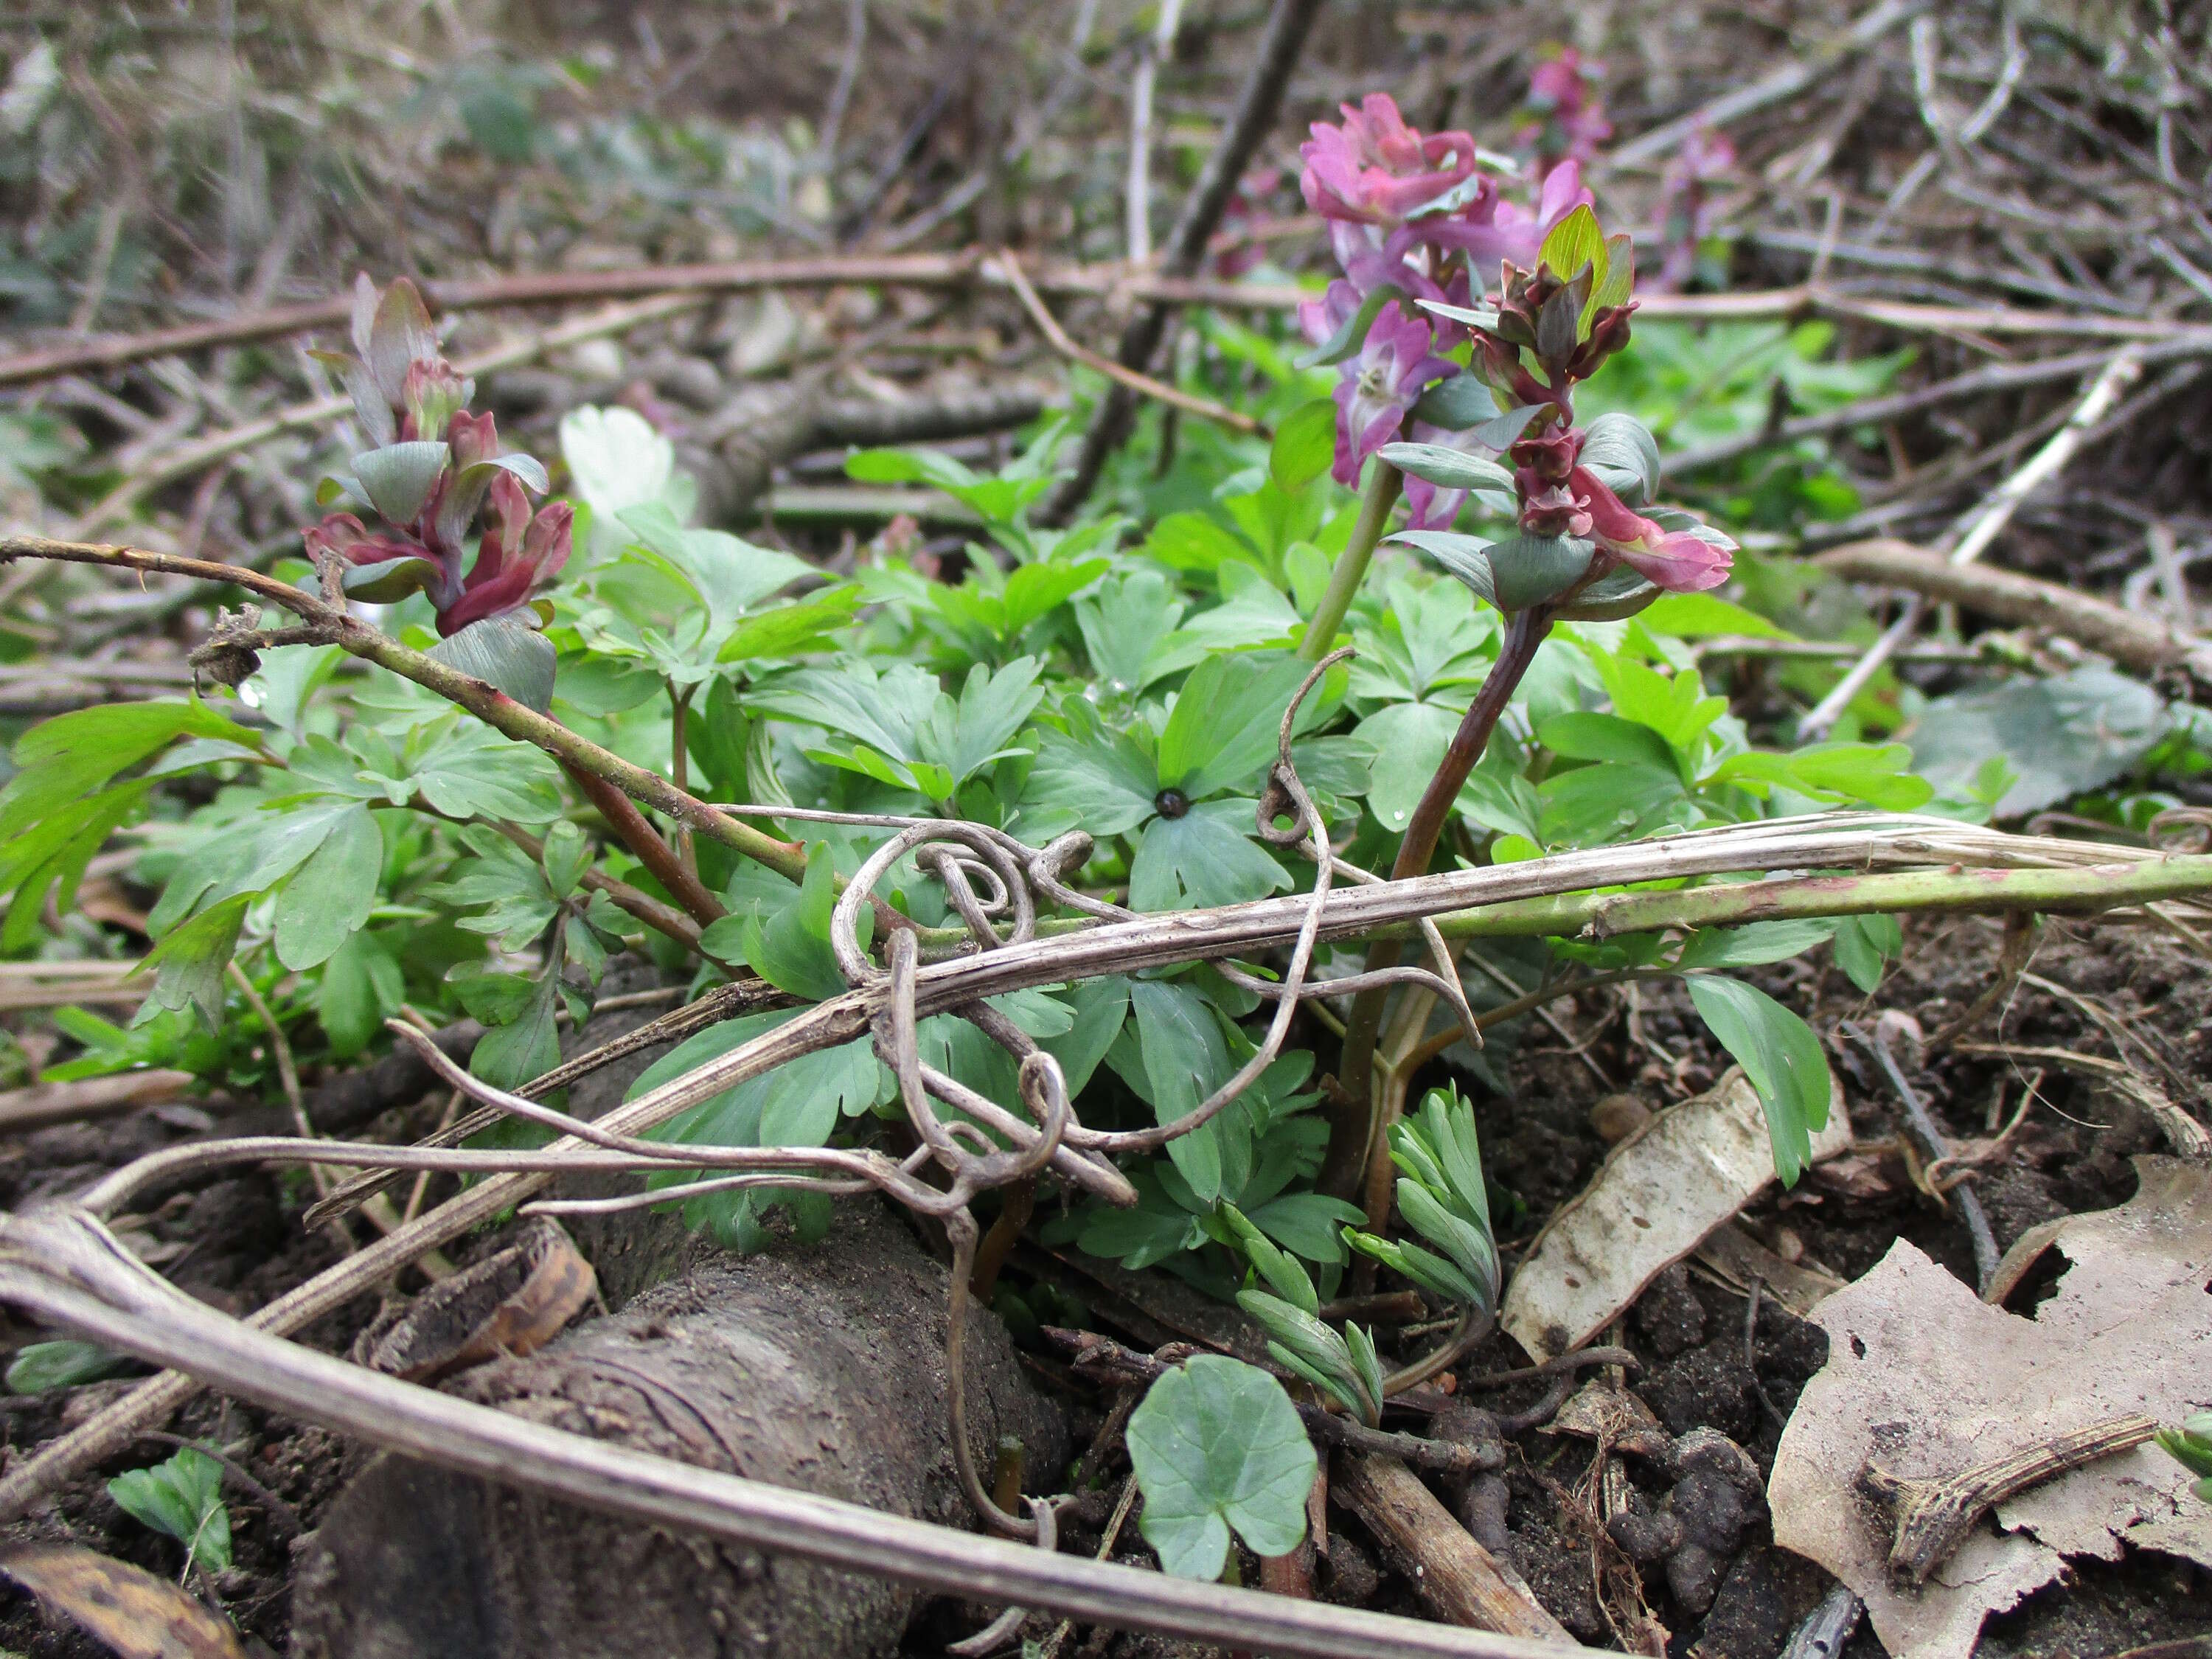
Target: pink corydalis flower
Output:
[
  {"x": 1235, "y": 250},
  {"x": 1685, "y": 201},
  {"x": 1376, "y": 389},
  {"x": 419, "y": 398},
  {"x": 1492, "y": 230},
  {"x": 520, "y": 552},
  {"x": 1570, "y": 122},
  {"x": 1375, "y": 169},
  {"x": 1678, "y": 561}
]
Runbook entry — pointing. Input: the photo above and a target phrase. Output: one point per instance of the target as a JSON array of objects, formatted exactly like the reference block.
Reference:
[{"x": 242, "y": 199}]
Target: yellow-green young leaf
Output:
[
  {"x": 42, "y": 1365},
  {"x": 1304, "y": 444},
  {"x": 182, "y": 1497},
  {"x": 1616, "y": 275},
  {"x": 1577, "y": 241}
]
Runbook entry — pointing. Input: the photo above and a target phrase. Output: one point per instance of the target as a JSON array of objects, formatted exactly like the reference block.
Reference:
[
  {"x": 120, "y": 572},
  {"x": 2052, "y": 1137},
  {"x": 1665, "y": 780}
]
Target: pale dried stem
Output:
[
  {"x": 66, "y": 1268},
  {"x": 1932, "y": 1517}
]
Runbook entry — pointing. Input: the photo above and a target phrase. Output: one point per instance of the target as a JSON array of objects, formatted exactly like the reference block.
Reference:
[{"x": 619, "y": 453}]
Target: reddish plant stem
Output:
[
  {"x": 1019, "y": 1203},
  {"x": 1352, "y": 1113},
  {"x": 645, "y": 842},
  {"x": 652, "y": 911}
]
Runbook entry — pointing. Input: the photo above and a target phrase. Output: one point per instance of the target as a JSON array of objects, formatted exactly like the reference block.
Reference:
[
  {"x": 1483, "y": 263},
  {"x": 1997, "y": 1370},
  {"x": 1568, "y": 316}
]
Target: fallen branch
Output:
[
  {"x": 2081, "y": 890},
  {"x": 2133, "y": 639},
  {"x": 66, "y": 1268},
  {"x": 1144, "y": 386},
  {"x": 1972, "y": 536},
  {"x": 1795, "y": 74},
  {"x": 41, "y": 1105},
  {"x": 1289, "y": 22},
  {"x": 1990, "y": 381},
  {"x": 1115, "y": 283},
  {"x": 1459, "y": 1579}
]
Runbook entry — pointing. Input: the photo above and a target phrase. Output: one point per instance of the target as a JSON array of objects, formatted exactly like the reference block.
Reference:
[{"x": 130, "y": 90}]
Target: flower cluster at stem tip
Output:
[
  {"x": 433, "y": 472},
  {"x": 1435, "y": 259}
]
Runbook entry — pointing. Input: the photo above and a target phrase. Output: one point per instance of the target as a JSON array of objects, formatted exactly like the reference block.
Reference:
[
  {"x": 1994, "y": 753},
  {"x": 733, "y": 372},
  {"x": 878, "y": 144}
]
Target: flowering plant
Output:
[
  {"x": 1416, "y": 223},
  {"x": 1409, "y": 217},
  {"x": 1566, "y": 118},
  {"x": 1584, "y": 549},
  {"x": 435, "y": 475}
]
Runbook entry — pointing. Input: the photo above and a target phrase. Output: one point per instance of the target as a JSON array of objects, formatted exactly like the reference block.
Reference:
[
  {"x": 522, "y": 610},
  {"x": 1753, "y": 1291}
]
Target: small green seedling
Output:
[
  {"x": 182, "y": 1497},
  {"x": 39, "y": 1366},
  {"x": 2191, "y": 1446},
  {"x": 1217, "y": 1445}
]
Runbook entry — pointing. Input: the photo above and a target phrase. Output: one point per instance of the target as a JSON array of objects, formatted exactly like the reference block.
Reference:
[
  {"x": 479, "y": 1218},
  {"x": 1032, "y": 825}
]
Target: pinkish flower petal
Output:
[
  {"x": 1614, "y": 521},
  {"x": 1682, "y": 563}
]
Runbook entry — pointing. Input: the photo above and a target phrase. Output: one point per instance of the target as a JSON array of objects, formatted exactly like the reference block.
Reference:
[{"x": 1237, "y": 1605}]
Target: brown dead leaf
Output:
[
  {"x": 124, "y": 1607},
  {"x": 1928, "y": 1380},
  {"x": 514, "y": 1303},
  {"x": 1615, "y": 1419},
  {"x": 1659, "y": 1193},
  {"x": 1739, "y": 1261}
]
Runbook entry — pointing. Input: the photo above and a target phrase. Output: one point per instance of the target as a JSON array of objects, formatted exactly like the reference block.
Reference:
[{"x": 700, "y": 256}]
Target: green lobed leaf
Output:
[
  {"x": 791, "y": 948},
  {"x": 509, "y": 1055},
  {"x": 1864, "y": 945},
  {"x": 39, "y": 1366},
  {"x": 2064, "y": 735},
  {"x": 1225, "y": 725},
  {"x": 191, "y": 962},
  {"x": 73, "y": 755},
  {"x": 182, "y": 1497},
  {"x": 465, "y": 770},
  {"x": 360, "y": 986},
  {"x": 1183, "y": 1058},
  {"x": 1205, "y": 858},
  {"x": 1216, "y": 1444},
  {"x": 1753, "y": 944},
  {"x": 331, "y": 894}
]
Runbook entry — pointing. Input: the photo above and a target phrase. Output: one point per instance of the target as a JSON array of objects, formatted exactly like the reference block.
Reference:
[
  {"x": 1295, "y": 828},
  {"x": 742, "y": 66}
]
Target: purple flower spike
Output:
[
  {"x": 1375, "y": 169},
  {"x": 1380, "y": 385}
]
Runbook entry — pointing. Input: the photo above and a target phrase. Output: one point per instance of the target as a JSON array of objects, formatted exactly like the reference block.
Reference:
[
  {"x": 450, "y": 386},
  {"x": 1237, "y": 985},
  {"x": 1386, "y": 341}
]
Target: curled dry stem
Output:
[
  {"x": 1994, "y": 872},
  {"x": 1932, "y": 1517}
]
